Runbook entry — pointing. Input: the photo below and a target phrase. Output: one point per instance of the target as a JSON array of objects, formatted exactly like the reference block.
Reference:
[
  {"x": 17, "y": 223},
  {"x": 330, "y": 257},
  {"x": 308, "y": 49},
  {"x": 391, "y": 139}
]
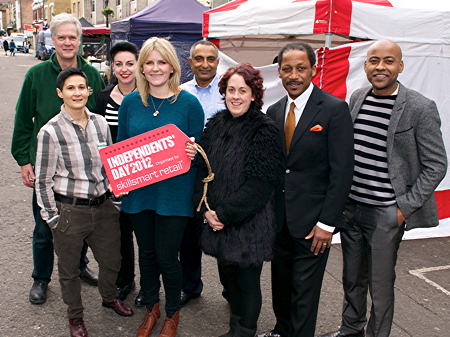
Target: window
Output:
[{"x": 93, "y": 5}]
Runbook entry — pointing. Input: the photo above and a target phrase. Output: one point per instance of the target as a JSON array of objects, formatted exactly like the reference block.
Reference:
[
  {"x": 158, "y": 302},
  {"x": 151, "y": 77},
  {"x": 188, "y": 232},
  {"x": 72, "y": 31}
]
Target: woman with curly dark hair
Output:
[{"x": 245, "y": 152}]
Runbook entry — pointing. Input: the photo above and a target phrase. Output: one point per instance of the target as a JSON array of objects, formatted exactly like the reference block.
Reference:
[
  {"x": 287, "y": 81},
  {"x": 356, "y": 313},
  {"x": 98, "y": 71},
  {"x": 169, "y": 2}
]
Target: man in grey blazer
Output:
[{"x": 399, "y": 161}]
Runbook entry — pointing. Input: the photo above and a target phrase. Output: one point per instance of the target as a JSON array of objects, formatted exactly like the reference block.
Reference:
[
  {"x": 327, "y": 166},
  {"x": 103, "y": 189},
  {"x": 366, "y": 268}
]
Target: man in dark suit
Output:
[
  {"x": 399, "y": 161},
  {"x": 318, "y": 137}
]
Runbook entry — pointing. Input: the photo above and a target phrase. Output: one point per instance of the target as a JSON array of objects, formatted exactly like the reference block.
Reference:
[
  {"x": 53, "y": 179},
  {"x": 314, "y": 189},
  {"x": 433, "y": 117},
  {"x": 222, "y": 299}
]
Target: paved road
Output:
[{"x": 422, "y": 308}]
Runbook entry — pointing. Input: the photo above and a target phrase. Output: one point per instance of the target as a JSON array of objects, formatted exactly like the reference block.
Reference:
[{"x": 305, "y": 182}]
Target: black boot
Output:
[
  {"x": 122, "y": 292},
  {"x": 38, "y": 292},
  {"x": 234, "y": 325},
  {"x": 139, "y": 300}
]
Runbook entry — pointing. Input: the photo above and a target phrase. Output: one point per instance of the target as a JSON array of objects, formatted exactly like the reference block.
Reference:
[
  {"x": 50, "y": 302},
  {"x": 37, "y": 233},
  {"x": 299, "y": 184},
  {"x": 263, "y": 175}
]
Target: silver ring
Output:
[{"x": 215, "y": 230}]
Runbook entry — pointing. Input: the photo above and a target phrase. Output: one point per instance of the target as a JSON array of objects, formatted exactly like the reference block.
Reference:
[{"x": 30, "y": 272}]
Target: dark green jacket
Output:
[{"x": 38, "y": 103}]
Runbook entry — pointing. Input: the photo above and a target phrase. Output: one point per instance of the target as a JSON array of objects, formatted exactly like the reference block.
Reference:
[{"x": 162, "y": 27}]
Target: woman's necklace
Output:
[
  {"x": 156, "y": 113},
  {"x": 118, "y": 88}
]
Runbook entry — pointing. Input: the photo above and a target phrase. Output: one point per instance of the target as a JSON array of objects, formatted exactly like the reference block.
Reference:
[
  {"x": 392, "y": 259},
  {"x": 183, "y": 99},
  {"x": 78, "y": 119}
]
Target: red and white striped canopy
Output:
[
  {"x": 399, "y": 20},
  {"x": 254, "y": 30}
]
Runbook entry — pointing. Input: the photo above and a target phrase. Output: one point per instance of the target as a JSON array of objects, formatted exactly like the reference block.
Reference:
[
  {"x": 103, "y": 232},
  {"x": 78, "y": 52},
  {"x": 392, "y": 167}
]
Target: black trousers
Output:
[
  {"x": 126, "y": 273},
  {"x": 159, "y": 239},
  {"x": 297, "y": 276},
  {"x": 244, "y": 289},
  {"x": 191, "y": 260}
]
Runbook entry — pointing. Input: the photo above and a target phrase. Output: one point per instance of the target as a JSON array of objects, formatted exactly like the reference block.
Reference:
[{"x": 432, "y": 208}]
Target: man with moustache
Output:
[
  {"x": 399, "y": 161},
  {"x": 204, "y": 60},
  {"x": 318, "y": 138},
  {"x": 36, "y": 105}
]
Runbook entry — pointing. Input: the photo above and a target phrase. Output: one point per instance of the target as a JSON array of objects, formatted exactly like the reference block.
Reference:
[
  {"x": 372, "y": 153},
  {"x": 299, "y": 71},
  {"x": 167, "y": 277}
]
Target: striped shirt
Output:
[
  {"x": 371, "y": 183},
  {"x": 112, "y": 117},
  {"x": 68, "y": 161}
]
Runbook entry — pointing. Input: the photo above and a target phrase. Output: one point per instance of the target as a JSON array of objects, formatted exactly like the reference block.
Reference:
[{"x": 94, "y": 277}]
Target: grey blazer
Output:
[{"x": 417, "y": 160}]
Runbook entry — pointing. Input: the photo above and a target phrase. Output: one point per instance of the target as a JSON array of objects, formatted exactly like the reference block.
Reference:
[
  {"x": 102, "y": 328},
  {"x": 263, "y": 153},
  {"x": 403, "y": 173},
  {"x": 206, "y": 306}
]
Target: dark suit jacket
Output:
[
  {"x": 319, "y": 166},
  {"x": 416, "y": 154}
]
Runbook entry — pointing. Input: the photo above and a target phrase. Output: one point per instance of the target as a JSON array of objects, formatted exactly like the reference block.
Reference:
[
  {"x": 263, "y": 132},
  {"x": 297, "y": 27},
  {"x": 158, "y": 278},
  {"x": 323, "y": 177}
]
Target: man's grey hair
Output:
[
  {"x": 204, "y": 43},
  {"x": 63, "y": 18}
]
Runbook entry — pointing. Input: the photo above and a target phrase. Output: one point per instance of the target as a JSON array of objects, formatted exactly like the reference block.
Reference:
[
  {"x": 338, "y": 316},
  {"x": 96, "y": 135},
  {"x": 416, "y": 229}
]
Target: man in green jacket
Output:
[{"x": 37, "y": 104}]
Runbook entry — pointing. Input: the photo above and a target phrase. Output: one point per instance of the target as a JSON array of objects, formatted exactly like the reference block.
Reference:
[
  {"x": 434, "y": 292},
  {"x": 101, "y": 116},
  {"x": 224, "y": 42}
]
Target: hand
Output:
[
  {"x": 190, "y": 150},
  {"x": 321, "y": 240},
  {"x": 213, "y": 221},
  {"x": 27, "y": 173},
  {"x": 53, "y": 223},
  {"x": 400, "y": 217}
]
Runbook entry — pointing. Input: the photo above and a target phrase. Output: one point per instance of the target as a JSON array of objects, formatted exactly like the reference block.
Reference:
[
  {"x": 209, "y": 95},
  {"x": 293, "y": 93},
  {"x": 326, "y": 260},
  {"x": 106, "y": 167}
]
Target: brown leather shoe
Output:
[
  {"x": 149, "y": 322},
  {"x": 170, "y": 326},
  {"x": 77, "y": 328},
  {"x": 119, "y": 307}
]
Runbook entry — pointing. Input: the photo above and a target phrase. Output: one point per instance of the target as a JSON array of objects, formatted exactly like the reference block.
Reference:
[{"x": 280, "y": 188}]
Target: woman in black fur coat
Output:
[{"x": 244, "y": 148}]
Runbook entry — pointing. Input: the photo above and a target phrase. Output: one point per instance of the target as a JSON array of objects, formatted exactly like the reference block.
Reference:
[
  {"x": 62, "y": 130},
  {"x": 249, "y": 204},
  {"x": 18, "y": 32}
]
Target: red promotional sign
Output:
[{"x": 146, "y": 159}]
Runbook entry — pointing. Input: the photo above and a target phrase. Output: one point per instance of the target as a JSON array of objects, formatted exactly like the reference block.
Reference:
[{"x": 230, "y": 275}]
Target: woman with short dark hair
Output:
[
  {"x": 245, "y": 152},
  {"x": 124, "y": 57},
  {"x": 72, "y": 191}
]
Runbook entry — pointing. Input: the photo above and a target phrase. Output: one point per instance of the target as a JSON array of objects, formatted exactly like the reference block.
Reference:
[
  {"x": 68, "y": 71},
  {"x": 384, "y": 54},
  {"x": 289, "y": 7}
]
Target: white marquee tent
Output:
[{"x": 341, "y": 30}]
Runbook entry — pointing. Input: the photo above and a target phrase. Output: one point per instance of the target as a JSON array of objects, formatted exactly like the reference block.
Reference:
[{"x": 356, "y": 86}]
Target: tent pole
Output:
[{"x": 328, "y": 40}]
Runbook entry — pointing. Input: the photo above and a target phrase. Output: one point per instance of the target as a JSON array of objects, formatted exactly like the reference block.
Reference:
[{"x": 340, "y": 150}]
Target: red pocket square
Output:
[{"x": 316, "y": 128}]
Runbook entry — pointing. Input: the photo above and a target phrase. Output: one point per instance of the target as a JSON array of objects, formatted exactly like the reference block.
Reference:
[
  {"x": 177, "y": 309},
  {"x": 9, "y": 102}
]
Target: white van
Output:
[{"x": 21, "y": 41}]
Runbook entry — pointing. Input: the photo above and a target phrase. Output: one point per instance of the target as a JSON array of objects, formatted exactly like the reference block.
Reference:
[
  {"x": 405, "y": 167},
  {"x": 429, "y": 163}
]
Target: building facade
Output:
[
  {"x": 6, "y": 10},
  {"x": 53, "y": 7},
  {"x": 15, "y": 13},
  {"x": 92, "y": 10}
]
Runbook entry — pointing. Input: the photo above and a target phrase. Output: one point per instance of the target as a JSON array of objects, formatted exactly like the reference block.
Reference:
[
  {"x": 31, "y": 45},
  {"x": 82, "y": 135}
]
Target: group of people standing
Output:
[
  {"x": 9, "y": 47},
  {"x": 284, "y": 182}
]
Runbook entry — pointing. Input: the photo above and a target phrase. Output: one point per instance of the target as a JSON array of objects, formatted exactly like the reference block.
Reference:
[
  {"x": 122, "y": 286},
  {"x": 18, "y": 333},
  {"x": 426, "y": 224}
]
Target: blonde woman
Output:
[{"x": 159, "y": 212}]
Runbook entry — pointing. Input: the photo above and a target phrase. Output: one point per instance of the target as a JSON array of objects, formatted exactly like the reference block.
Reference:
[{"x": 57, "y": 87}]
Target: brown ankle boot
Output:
[
  {"x": 149, "y": 322},
  {"x": 170, "y": 326}
]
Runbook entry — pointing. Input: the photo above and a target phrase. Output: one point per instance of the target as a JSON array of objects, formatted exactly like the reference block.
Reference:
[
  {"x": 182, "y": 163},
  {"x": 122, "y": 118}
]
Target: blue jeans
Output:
[{"x": 42, "y": 244}]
